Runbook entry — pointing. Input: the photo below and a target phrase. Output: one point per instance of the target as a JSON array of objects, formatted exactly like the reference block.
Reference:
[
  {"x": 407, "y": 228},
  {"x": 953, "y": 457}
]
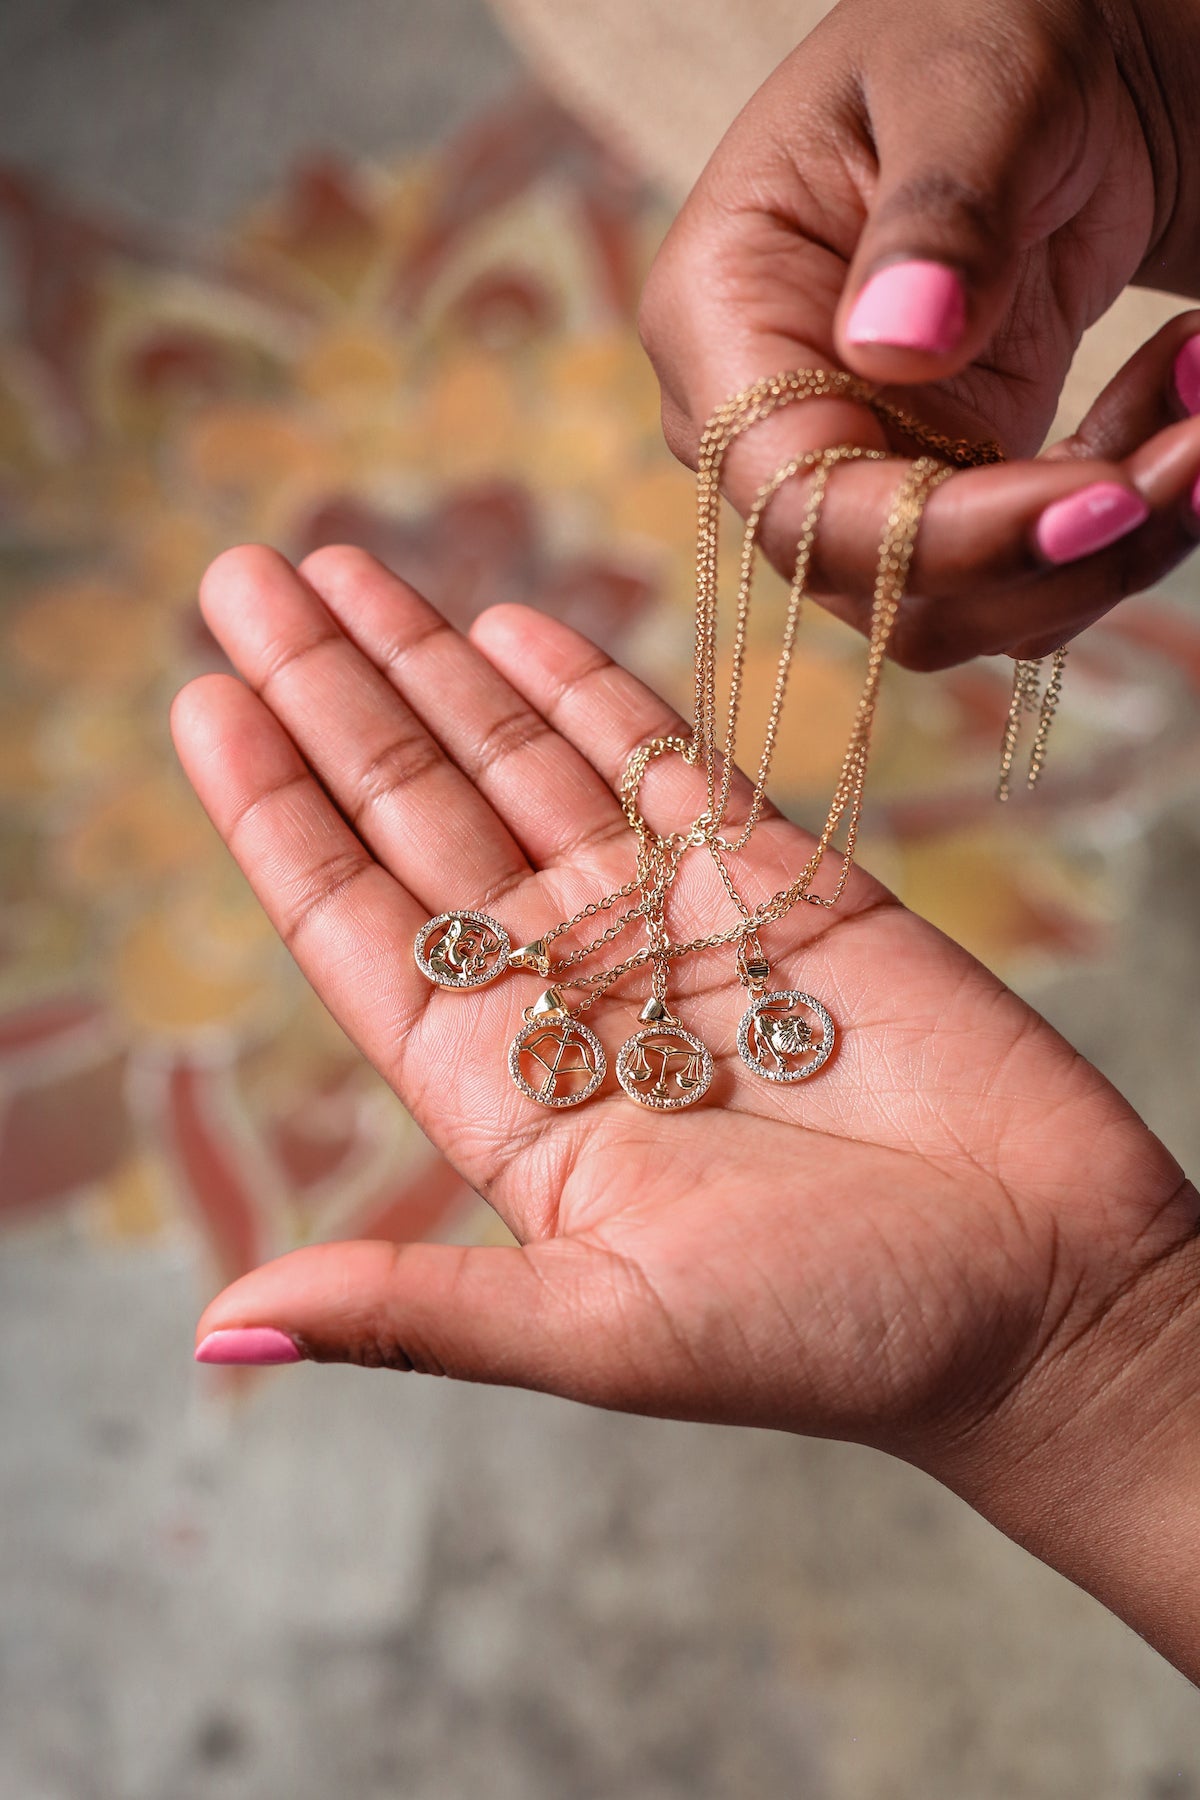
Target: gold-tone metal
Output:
[
  {"x": 656, "y": 1012},
  {"x": 557, "y": 1061},
  {"x": 752, "y": 966},
  {"x": 659, "y": 857},
  {"x": 778, "y": 1042},
  {"x": 895, "y": 555},
  {"x": 462, "y": 949},
  {"x": 530, "y": 956},
  {"x": 546, "y": 1005},
  {"x": 1029, "y": 697},
  {"x": 665, "y": 1067}
]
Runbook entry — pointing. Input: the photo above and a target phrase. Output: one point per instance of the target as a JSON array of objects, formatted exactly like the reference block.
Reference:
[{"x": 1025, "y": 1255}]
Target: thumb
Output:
[
  {"x": 958, "y": 198},
  {"x": 535, "y": 1317}
]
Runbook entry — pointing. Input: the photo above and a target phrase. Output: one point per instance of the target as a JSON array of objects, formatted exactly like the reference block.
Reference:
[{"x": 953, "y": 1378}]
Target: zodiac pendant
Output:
[
  {"x": 664, "y": 1066},
  {"x": 462, "y": 949},
  {"x": 556, "y": 1060},
  {"x": 778, "y": 1042}
]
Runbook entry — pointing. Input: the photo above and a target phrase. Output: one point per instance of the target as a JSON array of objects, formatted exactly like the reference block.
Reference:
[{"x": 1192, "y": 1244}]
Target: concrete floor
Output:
[{"x": 378, "y": 1587}]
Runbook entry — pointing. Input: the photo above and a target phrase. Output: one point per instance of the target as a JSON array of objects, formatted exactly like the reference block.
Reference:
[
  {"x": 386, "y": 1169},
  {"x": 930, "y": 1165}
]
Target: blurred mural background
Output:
[{"x": 286, "y": 272}]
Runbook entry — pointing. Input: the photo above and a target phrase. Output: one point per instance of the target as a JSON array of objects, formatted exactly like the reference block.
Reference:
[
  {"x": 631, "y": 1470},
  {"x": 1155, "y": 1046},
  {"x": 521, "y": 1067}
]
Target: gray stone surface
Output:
[
  {"x": 376, "y": 1586},
  {"x": 1134, "y": 1013}
]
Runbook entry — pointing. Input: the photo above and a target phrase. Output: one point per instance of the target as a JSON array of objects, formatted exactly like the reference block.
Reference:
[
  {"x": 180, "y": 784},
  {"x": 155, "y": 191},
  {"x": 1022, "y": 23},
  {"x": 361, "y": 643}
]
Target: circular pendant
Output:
[
  {"x": 665, "y": 1067},
  {"x": 462, "y": 949},
  {"x": 557, "y": 1062},
  {"x": 778, "y": 1042}
]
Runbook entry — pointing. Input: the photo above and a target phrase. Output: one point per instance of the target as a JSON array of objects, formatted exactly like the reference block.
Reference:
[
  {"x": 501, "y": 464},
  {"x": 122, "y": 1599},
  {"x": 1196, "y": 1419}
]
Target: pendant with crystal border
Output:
[
  {"x": 462, "y": 949},
  {"x": 662, "y": 1065},
  {"x": 555, "y": 1059},
  {"x": 778, "y": 1042}
]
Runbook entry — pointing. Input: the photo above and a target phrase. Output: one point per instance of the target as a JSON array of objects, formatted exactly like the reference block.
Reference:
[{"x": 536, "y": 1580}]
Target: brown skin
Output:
[
  {"x": 1047, "y": 151},
  {"x": 957, "y": 1243}
]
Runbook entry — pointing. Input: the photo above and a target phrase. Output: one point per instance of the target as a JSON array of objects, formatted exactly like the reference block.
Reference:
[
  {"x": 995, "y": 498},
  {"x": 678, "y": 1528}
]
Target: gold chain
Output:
[
  {"x": 895, "y": 556},
  {"x": 1028, "y": 696},
  {"x": 659, "y": 856}
]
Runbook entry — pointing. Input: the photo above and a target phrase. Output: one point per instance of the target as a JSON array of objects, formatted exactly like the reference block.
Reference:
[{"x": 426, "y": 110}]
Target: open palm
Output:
[{"x": 881, "y": 1252}]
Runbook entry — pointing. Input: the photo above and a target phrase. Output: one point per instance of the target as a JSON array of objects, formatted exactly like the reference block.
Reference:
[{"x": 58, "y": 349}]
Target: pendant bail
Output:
[
  {"x": 657, "y": 1012},
  {"x": 546, "y": 1005},
  {"x": 530, "y": 956}
]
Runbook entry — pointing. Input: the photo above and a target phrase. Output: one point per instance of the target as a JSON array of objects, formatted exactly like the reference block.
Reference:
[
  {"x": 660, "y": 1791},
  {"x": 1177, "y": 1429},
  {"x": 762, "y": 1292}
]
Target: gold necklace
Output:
[
  {"x": 663, "y": 1065},
  {"x": 788, "y": 1034},
  {"x": 1028, "y": 696}
]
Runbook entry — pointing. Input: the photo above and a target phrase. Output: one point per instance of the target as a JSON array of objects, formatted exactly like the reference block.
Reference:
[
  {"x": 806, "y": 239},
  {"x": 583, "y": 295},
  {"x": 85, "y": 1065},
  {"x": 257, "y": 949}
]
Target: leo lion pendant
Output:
[{"x": 778, "y": 1041}]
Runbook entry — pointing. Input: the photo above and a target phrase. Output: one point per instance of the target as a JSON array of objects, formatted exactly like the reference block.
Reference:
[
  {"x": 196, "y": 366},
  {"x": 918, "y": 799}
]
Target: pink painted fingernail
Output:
[
  {"x": 257, "y": 1344},
  {"x": 1089, "y": 520},
  {"x": 1187, "y": 375},
  {"x": 910, "y": 306}
]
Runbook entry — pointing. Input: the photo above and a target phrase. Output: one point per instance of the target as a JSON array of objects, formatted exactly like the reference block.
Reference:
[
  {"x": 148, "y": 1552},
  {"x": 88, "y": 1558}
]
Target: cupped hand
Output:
[
  {"x": 941, "y": 199},
  {"x": 884, "y": 1252}
]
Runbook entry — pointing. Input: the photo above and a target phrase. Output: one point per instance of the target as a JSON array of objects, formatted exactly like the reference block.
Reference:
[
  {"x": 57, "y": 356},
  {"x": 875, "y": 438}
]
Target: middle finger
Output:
[
  {"x": 548, "y": 795},
  {"x": 389, "y": 776}
]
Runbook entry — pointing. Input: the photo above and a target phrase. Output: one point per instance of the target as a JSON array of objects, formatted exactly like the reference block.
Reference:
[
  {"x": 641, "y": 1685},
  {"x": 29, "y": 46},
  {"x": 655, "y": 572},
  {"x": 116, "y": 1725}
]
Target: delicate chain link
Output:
[
  {"x": 1028, "y": 697},
  {"x": 659, "y": 856},
  {"x": 895, "y": 557},
  {"x": 729, "y": 421}
]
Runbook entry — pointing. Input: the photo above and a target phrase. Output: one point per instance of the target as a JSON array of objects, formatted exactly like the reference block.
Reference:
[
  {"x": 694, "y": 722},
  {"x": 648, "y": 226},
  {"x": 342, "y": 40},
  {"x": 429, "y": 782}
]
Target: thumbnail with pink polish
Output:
[
  {"x": 910, "y": 306},
  {"x": 1187, "y": 375},
  {"x": 248, "y": 1344},
  {"x": 1088, "y": 521}
]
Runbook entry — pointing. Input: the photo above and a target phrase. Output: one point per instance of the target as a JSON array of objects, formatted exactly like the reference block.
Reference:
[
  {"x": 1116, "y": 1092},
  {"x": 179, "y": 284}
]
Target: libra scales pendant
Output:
[{"x": 663, "y": 1066}]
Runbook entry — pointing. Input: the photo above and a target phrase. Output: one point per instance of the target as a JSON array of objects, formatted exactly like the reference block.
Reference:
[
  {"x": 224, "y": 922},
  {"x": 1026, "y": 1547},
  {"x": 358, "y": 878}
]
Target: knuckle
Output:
[
  {"x": 942, "y": 196},
  {"x": 919, "y": 646},
  {"x": 320, "y": 886},
  {"x": 509, "y": 736},
  {"x": 403, "y": 762},
  {"x": 654, "y": 305},
  {"x": 255, "y": 806},
  {"x": 1041, "y": 58},
  {"x": 285, "y": 657},
  {"x": 680, "y": 434},
  {"x": 582, "y": 681},
  {"x": 658, "y": 318},
  {"x": 386, "y": 1351},
  {"x": 415, "y": 637}
]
